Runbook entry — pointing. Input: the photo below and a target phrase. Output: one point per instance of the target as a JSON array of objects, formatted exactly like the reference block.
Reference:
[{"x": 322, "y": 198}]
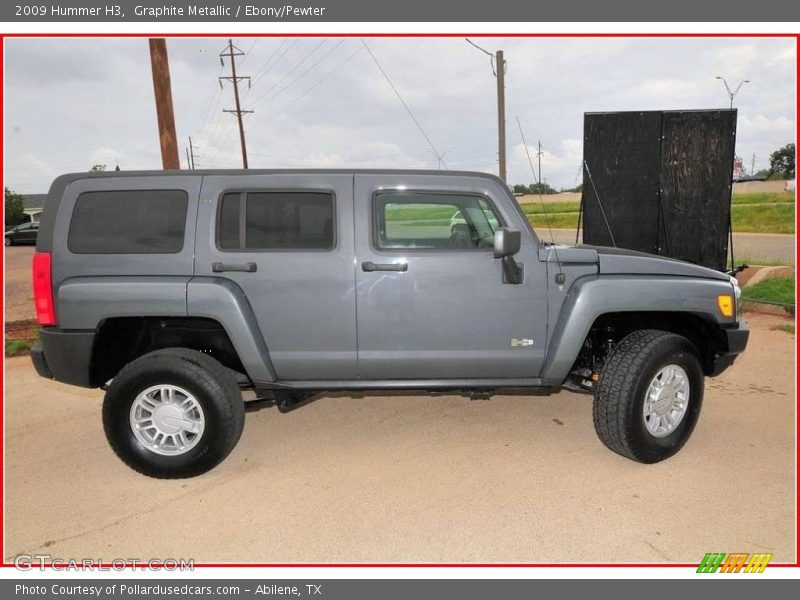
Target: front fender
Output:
[{"x": 593, "y": 296}]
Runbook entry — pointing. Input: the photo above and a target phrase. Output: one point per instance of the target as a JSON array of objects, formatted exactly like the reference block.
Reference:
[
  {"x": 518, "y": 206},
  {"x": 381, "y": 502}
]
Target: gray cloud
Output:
[{"x": 71, "y": 103}]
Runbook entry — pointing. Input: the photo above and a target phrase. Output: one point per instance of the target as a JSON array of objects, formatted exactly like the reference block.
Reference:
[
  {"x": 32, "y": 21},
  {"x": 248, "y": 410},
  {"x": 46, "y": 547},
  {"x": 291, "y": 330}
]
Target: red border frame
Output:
[{"x": 3, "y": 37}]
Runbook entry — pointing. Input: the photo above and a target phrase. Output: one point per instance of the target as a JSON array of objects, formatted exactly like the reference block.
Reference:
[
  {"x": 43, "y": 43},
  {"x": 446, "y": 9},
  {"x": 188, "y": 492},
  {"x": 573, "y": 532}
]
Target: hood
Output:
[{"x": 620, "y": 261}]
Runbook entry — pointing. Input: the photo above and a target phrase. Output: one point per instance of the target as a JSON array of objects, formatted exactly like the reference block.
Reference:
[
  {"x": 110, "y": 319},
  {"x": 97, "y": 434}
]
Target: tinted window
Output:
[
  {"x": 276, "y": 221},
  {"x": 129, "y": 222},
  {"x": 434, "y": 221}
]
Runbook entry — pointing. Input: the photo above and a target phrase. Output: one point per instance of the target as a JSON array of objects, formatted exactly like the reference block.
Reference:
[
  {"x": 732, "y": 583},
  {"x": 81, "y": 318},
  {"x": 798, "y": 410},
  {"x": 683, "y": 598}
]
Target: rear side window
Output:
[
  {"x": 284, "y": 220},
  {"x": 129, "y": 222}
]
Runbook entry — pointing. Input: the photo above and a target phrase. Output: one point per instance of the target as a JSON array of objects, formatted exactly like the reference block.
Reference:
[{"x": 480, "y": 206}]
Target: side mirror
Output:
[
  {"x": 506, "y": 242},
  {"x": 506, "y": 245}
]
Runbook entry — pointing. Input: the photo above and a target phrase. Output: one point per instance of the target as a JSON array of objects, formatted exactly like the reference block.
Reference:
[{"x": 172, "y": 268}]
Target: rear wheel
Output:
[
  {"x": 9, "y": 241},
  {"x": 649, "y": 396},
  {"x": 173, "y": 413}
]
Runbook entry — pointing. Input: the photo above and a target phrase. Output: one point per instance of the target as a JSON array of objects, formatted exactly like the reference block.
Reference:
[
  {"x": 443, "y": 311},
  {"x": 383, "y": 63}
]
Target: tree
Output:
[
  {"x": 97, "y": 168},
  {"x": 15, "y": 208},
  {"x": 520, "y": 189},
  {"x": 781, "y": 162},
  {"x": 541, "y": 188}
]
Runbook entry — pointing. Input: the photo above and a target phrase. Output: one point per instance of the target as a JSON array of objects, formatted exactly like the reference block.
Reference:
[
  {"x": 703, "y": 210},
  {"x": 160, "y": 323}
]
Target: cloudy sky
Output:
[{"x": 72, "y": 103}]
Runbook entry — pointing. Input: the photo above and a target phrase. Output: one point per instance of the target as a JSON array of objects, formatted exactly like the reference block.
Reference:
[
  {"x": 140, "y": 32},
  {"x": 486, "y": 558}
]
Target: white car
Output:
[
  {"x": 458, "y": 219},
  {"x": 789, "y": 186}
]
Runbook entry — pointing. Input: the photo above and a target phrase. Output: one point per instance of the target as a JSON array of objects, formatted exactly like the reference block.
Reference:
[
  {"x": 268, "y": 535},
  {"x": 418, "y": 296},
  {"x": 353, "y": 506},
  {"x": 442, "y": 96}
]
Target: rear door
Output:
[
  {"x": 287, "y": 241},
  {"x": 431, "y": 299}
]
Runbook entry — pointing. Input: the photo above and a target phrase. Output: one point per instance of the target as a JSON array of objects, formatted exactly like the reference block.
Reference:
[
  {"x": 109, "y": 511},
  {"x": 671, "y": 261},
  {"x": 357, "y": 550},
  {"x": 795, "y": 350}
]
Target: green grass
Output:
[
  {"x": 536, "y": 208},
  {"x": 788, "y": 328},
  {"x": 559, "y": 221},
  {"x": 778, "y": 290},
  {"x": 752, "y": 213},
  {"x": 19, "y": 347},
  {"x": 764, "y": 198},
  {"x": 761, "y": 262},
  {"x": 777, "y": 218}
]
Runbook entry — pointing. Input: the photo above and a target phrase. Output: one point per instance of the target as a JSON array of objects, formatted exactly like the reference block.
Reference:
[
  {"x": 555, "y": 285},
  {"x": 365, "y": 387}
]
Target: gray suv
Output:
[{"x": 176, "y": 291}]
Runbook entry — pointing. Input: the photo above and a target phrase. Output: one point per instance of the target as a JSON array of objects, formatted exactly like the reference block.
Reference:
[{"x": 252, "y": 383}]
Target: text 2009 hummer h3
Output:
[{"x": 175, "y": 291}]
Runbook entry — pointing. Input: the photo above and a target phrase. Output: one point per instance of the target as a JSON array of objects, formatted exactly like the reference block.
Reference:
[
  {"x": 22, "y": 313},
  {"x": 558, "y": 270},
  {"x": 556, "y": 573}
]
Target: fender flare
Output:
[
  {"x": 225, "y": 302},
  {"x": 593, "y": 296}
]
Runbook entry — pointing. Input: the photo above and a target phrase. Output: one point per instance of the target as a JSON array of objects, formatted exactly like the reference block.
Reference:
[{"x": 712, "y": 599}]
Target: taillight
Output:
[{"x": 43, "y": 289}]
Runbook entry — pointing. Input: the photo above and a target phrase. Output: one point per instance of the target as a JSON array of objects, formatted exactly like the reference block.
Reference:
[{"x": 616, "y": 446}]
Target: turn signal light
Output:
[{"x": 725, "y": 305}]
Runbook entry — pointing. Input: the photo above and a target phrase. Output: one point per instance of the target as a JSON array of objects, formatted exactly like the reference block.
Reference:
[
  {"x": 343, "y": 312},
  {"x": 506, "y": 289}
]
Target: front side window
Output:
[
  {"x": 419, "y": 220},
  {"x": 128, "y": 222},
  {"x": 276, "y": 221}
]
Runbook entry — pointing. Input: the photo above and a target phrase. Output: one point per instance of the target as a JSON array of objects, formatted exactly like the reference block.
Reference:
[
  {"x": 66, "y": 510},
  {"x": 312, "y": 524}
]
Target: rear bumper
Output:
[
  {"x": 64, "y": 356},
  {"x": 736, "y": 338}
]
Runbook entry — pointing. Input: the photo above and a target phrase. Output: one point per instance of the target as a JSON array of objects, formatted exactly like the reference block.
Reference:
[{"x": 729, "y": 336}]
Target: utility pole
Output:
[
  {"x": 232, "y": 53},
  {"x": 539, "y": 153},
  {"x": 499, "y": 69},
  {"x": 190, "y": 153},
  {"x": 753, "y": 165},
  {"x": 159, "y": 63},
  {"x": 501, "y": 112},
  {"x": 440, "y": 157}
]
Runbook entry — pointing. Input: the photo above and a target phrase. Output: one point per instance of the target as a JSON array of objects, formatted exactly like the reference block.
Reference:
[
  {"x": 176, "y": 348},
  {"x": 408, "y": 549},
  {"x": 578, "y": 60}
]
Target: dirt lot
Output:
[{"x": 409, "y": 478}]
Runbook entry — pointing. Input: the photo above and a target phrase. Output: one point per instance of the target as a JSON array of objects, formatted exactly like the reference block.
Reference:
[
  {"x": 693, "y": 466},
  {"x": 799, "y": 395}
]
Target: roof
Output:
[{"x": 202, "y": 172}]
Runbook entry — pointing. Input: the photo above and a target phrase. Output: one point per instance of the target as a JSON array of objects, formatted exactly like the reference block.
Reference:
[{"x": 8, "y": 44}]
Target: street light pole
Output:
[{"x": 732, "y": 94}]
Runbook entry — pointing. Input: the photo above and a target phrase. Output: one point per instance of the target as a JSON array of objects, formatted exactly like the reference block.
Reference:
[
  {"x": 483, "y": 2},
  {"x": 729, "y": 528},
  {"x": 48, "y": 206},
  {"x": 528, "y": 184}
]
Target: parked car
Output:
[
  {"x": 22, "y": 234},
  {"x": 175, "y": 291},
  {"x": 790, "y": 186},
  {"x": 459, "y": 219}
]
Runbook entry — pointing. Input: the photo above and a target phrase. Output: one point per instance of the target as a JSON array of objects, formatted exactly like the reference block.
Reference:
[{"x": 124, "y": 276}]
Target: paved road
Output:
[
  {"x": 406, "y": 478},
  {"x": 753, "y": 246}
]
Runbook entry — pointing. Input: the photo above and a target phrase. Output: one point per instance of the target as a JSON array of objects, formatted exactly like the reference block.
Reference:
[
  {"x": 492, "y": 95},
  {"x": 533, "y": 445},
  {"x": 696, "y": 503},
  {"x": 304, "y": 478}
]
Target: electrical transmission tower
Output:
[{"x": 232, "y": 52}]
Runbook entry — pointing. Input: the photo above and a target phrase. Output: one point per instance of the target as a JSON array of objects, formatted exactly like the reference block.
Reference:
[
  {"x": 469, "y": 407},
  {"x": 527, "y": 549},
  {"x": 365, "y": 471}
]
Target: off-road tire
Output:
[
  {"x": 625, "y": 378},
  {"x": 211, "y": 384}
]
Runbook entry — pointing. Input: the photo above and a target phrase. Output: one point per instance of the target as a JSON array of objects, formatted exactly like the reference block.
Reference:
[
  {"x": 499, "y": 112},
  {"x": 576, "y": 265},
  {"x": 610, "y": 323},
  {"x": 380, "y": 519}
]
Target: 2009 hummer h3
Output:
[{"x": 175, "y": 291}]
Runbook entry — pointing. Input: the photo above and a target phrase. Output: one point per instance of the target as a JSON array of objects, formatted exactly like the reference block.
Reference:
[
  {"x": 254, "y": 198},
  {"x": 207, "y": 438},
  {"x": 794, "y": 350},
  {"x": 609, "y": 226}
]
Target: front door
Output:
[
  {"x": 287, "y": 241},
  {"x": 431, "y": 302}
]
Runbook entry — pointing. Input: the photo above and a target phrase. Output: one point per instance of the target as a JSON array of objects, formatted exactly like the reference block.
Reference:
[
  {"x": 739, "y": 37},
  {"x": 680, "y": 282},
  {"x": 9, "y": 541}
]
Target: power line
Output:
[
  {"x": 299, "y": 97},
  {"x": 405, "y": 105},
  {"x": 293, "y": 101},
  {"x": 289, "y": 72},
  {"x": 304, "y": 73}
]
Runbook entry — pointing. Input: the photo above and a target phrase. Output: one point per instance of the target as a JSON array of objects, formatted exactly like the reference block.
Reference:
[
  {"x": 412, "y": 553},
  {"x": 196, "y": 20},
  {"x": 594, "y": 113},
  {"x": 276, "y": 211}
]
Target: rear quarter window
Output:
[{"x": 128, "y": 222}]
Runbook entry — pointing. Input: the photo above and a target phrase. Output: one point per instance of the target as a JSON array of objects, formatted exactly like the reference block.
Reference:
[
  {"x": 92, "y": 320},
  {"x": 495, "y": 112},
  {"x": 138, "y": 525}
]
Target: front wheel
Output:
[
  {"x": 9, "y": 241},
  {"x": 173, "y": 413},
  {"x": 649, "y": 396}
]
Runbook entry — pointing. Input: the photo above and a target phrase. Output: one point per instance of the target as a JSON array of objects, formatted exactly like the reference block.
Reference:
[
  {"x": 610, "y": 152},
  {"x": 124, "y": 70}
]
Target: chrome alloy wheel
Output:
[
  {"x": 666, "y": 401},
  {"x": 167, "y": 420}
]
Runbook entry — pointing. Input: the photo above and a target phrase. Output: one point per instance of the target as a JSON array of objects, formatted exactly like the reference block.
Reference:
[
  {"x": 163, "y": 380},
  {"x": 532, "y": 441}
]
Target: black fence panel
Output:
[
  {"x": 663, "y": 180},
  {"x": 623, "y": 155},
  {"x": 697, "y": 152}
]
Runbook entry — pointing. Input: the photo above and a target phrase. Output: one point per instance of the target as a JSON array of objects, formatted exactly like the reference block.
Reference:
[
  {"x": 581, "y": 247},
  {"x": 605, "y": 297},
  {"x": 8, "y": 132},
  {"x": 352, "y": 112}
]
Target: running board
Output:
[{"x": 532, "y": 385}]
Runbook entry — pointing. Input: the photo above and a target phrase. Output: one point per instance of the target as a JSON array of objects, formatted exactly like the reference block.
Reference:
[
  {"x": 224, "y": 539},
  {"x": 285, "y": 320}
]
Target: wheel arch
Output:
[{"x": 675, "y": 304}]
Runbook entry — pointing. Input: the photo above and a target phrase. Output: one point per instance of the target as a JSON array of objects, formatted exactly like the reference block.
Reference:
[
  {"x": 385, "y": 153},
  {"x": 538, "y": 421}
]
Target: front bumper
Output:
[
  {"x": 736, "y": 339},
  {"x": 64, "y": 356}
]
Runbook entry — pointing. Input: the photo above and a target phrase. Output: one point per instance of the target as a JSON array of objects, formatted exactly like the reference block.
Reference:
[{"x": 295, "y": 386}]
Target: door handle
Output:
[
  {"x": 243, "y": 267},
  {"x": 370, "y": 266}
]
